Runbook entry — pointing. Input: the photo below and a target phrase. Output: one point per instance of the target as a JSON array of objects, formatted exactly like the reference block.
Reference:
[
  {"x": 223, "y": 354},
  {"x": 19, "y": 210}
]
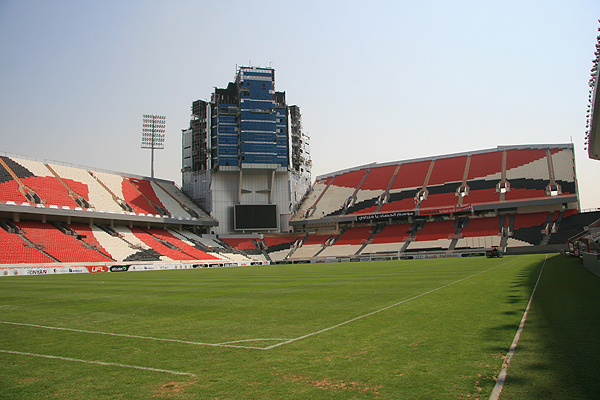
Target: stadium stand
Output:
[
  {"x": 512, "y": 196},
  {"x": 171, "y": 241},
  {"x": 118, "y": 248},
  {"x": 140, "y": 195},
  {"x": 164, "y": 247},
  {"x": 448, "y": 170},
  {"x": 98, "y": 198},
  {"x": 479, "y": 232},
  {"x": 572, "y": 224},
  {"x": 60, "y": 243},
  {"x": 495, "y": 176},
  {"x": 34, "y": 183},
  {"x": 354, "y": 236},
  {"x": 277, "y": 248},
  {"x": 313, "y": 244},
  {"x": 529, "y": 227},
  {"x": 432, "y": 235},
  {"x": 240, "y": 243},
  {"x": 17, "y": 249}
]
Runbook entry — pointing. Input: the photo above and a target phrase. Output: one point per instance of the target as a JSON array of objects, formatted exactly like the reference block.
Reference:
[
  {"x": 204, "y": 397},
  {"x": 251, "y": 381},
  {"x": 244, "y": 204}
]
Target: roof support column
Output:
[{"x": 271, "y": 187}]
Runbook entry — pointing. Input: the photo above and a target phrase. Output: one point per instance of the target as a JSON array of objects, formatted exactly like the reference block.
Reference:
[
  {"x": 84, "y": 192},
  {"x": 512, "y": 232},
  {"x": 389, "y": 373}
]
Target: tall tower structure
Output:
[{"x": 241, "y": 161}]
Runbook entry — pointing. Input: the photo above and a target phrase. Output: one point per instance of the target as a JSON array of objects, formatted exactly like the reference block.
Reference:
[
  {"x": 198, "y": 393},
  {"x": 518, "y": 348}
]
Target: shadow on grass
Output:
[{"x": 558, "y": 356}]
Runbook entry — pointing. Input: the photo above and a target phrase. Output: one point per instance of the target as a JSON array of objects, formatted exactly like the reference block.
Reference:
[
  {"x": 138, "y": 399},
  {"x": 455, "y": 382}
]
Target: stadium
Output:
[
  {"x": 247, "y": 200},
  {"x": 404, "y": 279}
]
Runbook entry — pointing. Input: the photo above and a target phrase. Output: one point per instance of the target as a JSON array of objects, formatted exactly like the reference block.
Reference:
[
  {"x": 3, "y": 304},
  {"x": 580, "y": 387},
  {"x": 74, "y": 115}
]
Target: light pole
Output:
[{"x": 153, "y": 135}]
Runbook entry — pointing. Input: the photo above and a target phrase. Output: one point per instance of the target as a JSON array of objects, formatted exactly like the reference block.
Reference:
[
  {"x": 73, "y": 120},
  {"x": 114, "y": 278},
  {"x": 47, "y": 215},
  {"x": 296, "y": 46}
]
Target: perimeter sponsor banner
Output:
[
  {"x": 432, "y": 256},
  {"x": 441, "y": 255},
  {"x": 153, "y": 267},
  {"x": 379, "y": 217},
  {"x": 43, "y": 271},
  {"x": 446, "y": 210},
  {"x": 98, "y": 268}
]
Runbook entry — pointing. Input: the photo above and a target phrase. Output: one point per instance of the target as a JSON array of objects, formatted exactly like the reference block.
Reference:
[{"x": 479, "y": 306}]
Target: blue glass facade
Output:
[{"x": 249, "y": 121}]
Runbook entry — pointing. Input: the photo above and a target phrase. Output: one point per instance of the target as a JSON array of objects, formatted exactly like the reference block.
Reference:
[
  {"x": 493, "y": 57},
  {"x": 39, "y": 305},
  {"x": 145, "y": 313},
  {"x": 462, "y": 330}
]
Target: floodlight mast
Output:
[{"x": 153, "y": 135}]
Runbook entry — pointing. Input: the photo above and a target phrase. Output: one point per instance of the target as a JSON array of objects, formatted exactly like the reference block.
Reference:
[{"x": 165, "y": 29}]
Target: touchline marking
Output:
[
  {"x": 376, "y": 311},
  {"x": 495, "y": 395},
  {"x": 99, "y": 363}
]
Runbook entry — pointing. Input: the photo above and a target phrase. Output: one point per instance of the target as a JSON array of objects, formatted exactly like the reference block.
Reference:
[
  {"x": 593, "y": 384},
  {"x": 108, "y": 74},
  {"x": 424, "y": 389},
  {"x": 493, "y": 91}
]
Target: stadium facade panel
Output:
[{"x": 245, "y": 147}]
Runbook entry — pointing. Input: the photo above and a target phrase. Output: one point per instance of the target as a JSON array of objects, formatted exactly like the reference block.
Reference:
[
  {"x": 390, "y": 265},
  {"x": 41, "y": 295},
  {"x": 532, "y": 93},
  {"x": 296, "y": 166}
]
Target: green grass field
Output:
[{"x": 421, "y": 329}]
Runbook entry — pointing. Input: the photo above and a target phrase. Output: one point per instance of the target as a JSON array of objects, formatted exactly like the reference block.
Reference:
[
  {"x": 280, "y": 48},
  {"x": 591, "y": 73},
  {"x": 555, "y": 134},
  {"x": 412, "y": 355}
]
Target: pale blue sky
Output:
[{"x": 376, "y": 81}]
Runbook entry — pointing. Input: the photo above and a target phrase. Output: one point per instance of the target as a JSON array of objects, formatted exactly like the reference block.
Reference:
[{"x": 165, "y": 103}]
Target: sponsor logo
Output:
[
  {"x": 36, "y": 272},
  {"x": 378, "y": 217},
  {"x": 98, "y": 268},
  {"x": 119, "y": 268}
]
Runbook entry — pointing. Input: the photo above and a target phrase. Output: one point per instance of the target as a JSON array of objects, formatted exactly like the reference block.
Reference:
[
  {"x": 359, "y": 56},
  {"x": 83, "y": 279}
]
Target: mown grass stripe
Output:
[{"x": 380, "y": 310}]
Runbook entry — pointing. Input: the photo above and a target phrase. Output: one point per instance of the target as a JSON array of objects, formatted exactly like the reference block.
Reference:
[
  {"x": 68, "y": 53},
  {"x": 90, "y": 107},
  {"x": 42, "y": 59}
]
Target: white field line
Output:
[
  {"x": 98, "y": 363},
  {"x": 252, "y": 340},
  {"x": 137, "y": 336},
  {"x": 231, "y": 343},
  {"x": 513, "y": 347},
  {"x": 376, "y": 311}
]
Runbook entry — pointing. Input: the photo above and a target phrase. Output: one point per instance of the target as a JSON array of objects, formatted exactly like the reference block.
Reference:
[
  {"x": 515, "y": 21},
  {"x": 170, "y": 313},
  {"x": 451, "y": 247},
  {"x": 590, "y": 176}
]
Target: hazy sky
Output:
[{"x": 376, "y": 81}]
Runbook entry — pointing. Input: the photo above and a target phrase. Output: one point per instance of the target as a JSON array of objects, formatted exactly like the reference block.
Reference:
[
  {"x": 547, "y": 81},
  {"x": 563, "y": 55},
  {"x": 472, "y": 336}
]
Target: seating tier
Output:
[
  {"x": 14, "y": 250},
  {"x": 96, "y": 188},
  {"x": 435, "y": 230},
  {"x": 306, "y": 251},
  {"x": 138, "y": 193},
  {"x": 379, "y": 178},
  {"x": 349, "y": 179},
  {"x": 448, "y": 170},
  {"x": 240, "y": 244},
  {"x": 529, "y": 220},
  {"x": 354, "y": 235},
  {"x": 277, "y": 240},
  {"x": 482, "y": 227},
  {"x": 118, "y": 248},
  {"x": 486, "y": 165},
  {"x": 411, "y": 175},
  {"x": 521, "y": 157},
  {"x": 98, "y": 197},
  {"x": 185, "y": 248},
  {"x": 64, "y": 248},
  {"x": 151, "y": 242},
  {"x": 316, "y": 239},
  {"x": 393, "y": 234}
]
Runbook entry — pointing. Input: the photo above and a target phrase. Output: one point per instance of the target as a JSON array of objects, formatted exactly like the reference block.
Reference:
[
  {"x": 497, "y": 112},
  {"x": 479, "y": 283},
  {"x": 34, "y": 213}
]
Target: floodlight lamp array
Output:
[{"x": 153, "y": 131}]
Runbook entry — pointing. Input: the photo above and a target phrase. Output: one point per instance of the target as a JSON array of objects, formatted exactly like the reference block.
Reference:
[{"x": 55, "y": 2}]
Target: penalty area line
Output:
[
  {"x": 226, "y": 344},
  {"x": 98, "y": 363}
]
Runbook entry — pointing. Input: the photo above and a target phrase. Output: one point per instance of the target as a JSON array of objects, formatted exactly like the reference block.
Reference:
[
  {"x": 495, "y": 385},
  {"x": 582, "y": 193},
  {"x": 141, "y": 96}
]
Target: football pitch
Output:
[{"x": 420, "y": 329}]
